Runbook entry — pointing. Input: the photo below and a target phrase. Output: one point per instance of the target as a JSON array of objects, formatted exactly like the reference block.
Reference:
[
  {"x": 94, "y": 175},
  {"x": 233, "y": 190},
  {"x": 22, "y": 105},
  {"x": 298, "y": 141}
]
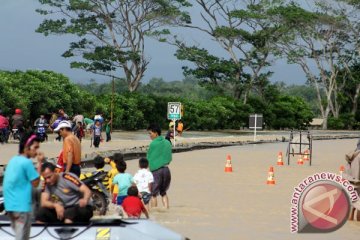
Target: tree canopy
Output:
[{"x": 111, "y": 32}]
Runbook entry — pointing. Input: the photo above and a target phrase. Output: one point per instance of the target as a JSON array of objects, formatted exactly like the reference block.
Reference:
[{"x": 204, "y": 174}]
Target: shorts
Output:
[
  {"x": 120, "y": 199},
  {"x": 145, "y": 196},
  {"x": 75, "y": 169},
  {"x": 162, "y": 179}
]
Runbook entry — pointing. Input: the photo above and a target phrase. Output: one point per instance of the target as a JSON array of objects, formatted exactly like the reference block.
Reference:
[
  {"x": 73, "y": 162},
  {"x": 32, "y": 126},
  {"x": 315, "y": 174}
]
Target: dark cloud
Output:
[{"x": 22, "y": 48}]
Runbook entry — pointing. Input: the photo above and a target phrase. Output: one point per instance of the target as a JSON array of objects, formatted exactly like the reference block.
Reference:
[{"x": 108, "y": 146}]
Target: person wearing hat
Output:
[
  {"x": 71, "y": 148},
  {"x": 18, "y": 121}
]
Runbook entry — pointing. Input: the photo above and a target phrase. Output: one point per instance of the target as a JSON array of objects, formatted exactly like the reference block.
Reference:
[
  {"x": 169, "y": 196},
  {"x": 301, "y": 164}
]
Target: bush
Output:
[
  {"x": 335, "y": 123},
  {"x": 42, "y": 92},
  {"x": 345, "y": 121},
  {"x": 290, "y": 112}
]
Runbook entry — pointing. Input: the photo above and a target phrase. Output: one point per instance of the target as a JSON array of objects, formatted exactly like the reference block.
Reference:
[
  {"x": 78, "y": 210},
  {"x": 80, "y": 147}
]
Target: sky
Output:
[{"x": 21, "y": 48}]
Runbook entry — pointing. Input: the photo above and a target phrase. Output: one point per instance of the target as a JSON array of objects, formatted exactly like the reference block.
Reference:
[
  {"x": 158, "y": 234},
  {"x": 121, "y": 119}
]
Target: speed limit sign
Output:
[{"x": 174, "y": 110}]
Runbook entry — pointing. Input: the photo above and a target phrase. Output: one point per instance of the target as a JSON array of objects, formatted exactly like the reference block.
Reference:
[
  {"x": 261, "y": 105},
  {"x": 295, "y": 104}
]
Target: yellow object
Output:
[
  {"x": 103, "y": 234},
  {"x": 106, "y": 180},
  {"x": 111, "y": 174},
  {"x": 85, "y": 175}
]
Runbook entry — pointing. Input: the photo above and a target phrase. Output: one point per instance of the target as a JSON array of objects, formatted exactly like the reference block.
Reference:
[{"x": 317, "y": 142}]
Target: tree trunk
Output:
[
  {"x": 246, "y": 96},
  {"x": 324, "y": 126},
  {"x": 325, "y": 117},
  {"x": 237, "y": 93},
  {"x": 355, "y": 100}
]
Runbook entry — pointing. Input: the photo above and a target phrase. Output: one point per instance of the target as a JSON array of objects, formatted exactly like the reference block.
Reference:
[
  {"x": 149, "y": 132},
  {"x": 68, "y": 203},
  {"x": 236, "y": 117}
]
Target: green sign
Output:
[{"x": 174, "y": 110}]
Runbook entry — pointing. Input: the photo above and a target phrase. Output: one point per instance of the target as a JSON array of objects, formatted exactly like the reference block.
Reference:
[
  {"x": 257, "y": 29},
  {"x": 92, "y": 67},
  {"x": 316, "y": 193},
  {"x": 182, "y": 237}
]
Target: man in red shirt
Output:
[
  {"x": 132, "y": 205},
  {"x": 4, "y": 126}
]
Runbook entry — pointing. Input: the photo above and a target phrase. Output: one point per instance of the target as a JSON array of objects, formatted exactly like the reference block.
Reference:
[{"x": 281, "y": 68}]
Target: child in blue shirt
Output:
[{"x": 122, "y": 181}]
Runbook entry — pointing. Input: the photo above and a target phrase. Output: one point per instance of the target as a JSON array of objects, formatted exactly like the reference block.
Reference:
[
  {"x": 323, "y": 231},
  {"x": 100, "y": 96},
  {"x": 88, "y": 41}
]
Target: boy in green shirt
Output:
[{"x": 108, "y": 130}]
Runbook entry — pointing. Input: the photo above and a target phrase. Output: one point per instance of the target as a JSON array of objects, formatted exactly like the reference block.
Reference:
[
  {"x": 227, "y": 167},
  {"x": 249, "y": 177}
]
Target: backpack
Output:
[{"x": 56, "y": 123}]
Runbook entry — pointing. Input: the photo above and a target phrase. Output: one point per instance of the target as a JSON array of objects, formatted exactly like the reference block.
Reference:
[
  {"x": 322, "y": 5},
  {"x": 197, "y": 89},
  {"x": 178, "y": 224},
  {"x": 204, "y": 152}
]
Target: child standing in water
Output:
[
  {"x": 132, "y": 205},
  {"x": 122, "y": 181},
  {"x": 144, "y": 179}
]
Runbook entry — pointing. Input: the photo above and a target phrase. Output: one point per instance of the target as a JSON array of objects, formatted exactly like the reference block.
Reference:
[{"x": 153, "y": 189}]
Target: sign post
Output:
[
  {"x": 174, "y": 113},
  {"x": 255, "y": 122}
]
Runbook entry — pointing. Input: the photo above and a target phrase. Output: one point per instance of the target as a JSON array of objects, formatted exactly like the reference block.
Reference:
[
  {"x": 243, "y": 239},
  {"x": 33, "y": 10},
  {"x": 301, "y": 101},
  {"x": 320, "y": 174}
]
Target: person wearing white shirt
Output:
[{"x": 144, "y": 179}]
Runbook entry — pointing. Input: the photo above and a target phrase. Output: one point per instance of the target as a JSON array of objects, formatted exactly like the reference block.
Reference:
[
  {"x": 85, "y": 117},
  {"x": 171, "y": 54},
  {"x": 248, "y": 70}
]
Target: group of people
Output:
[
  {"x": 16, "y": 121},
  {"x": 151, "y": 180},
  {"x": 179, "y": 127},
  {"x": 80, "y": 125},
  {"x": 65, "y": 198},
  {"x": 131, "y": 193}
]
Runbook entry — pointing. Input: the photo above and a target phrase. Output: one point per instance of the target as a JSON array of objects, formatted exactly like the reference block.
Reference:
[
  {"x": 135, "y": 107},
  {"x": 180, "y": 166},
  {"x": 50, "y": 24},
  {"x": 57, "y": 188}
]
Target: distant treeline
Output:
[{"x": 43, "y": 92}]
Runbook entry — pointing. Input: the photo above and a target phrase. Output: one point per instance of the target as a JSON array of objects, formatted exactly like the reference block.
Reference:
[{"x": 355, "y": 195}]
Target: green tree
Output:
[
  {"x": 112, "y": 32},
  {"x": 316, "y": 38},
  {"x": 217, "y": 74},
  {"x": 42, "y": 92},
  {"x": 291, "y": 112},
  {"x": 306, "y": 92},
  {"x": 244, "y": 31}
]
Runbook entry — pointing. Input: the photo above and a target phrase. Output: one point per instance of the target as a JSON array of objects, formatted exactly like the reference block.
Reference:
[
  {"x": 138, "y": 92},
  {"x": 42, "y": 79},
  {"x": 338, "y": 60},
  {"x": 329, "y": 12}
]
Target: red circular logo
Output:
[{"x": 325, "y": 206}]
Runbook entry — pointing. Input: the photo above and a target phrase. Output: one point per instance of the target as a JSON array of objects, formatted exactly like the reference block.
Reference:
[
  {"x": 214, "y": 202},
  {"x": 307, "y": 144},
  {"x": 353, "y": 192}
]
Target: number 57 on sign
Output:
[{"x": 174, "y": 110}]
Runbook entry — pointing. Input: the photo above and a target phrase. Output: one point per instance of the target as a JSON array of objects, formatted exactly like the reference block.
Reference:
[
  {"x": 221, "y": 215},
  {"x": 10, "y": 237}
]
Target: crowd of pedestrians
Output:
[{"x": 64, "y": 198}]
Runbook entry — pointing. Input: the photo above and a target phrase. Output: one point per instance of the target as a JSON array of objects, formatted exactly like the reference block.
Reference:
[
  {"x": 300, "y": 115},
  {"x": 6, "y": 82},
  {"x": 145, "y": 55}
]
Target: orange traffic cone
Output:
[
  {"x": 228, "y": 166},
  {"x": 280, "y": 159},
  {"x": 306, "y": 155},
  {"x": 271, "y": 177},
  {"x": 342, "y": 169},
  {"x": 300, "y": 161}
]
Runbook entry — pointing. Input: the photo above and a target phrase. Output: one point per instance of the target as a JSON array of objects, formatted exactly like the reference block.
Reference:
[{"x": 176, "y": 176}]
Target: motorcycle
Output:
[
  {"x": 41, "y": 132},
  {"x": 99, "y": 193},
  {"x": 16, "y": 133}
]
